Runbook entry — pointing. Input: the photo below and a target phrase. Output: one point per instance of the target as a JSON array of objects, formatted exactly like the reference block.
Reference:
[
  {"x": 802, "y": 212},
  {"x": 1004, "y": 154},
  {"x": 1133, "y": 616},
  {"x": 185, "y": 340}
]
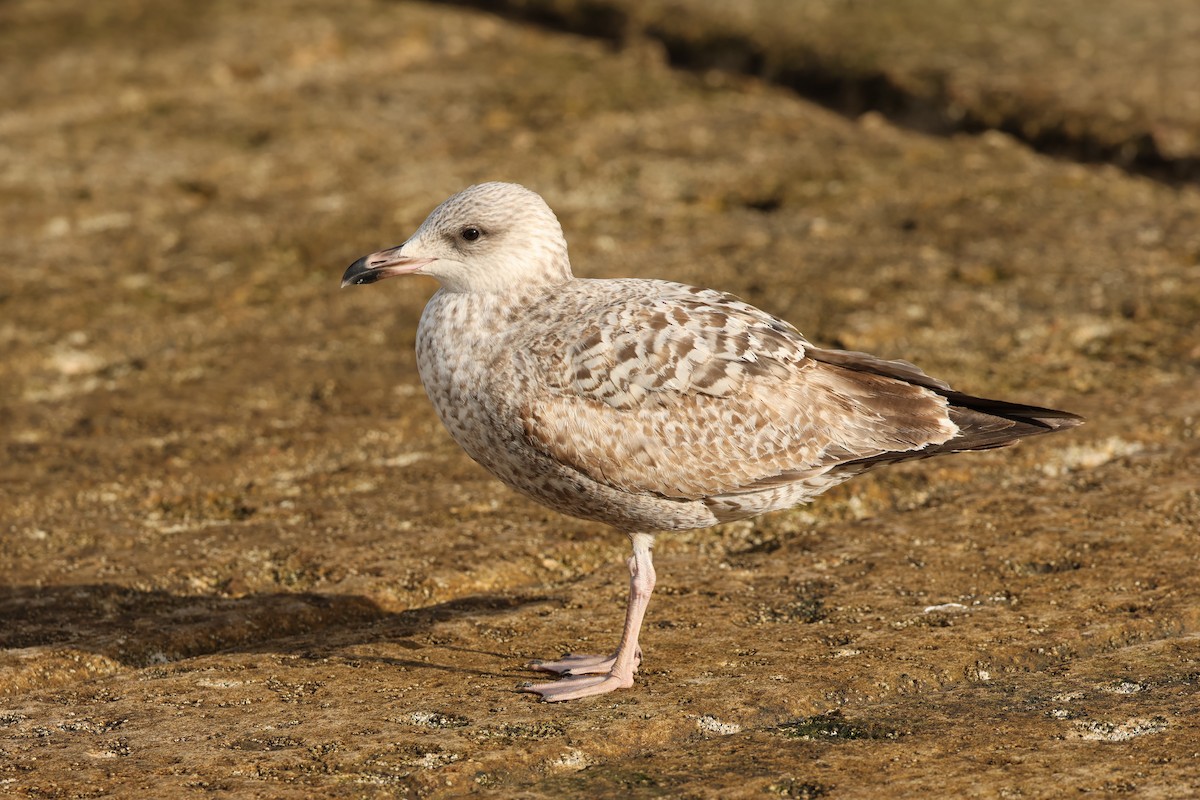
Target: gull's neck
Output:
[{"x": 484, "y": 313}]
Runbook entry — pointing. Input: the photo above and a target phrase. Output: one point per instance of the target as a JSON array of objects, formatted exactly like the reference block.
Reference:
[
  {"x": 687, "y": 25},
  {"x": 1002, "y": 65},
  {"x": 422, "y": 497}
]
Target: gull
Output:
[{"x": 649, "y": 405}]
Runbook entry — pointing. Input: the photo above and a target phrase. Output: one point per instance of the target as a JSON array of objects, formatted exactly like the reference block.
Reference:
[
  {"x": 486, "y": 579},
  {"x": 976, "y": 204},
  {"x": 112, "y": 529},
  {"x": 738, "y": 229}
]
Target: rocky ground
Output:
[
  {"x": 1096, "y": 80},
  {"x": 240, "y": 557}
]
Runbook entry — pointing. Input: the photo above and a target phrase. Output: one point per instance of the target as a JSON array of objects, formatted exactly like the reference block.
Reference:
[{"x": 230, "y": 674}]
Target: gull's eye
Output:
[{"x": 471, "y": 234}]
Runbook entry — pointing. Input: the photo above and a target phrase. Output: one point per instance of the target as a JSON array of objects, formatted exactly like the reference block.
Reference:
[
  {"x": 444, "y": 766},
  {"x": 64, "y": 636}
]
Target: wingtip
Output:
[{"x": 1058, "y": 420}]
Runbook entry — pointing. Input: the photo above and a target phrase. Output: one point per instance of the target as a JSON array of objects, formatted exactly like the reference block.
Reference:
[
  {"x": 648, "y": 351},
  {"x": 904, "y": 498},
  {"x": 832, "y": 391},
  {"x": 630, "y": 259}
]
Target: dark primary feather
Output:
[{"x": 983, "y": 423}]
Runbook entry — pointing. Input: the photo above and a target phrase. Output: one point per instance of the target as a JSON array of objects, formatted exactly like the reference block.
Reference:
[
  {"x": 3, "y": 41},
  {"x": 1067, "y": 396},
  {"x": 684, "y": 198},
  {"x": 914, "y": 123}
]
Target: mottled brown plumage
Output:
[{"x": 649, "y": 405}]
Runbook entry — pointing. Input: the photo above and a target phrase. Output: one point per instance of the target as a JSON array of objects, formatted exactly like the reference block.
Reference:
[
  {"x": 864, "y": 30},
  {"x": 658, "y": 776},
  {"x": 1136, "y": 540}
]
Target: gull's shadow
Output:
[{"x": 137, "y": 627}]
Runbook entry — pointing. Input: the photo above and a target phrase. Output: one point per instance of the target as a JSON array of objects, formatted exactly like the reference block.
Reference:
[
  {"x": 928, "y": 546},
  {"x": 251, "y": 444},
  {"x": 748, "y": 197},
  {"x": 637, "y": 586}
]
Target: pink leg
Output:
[{"x": 618, "y": 668}]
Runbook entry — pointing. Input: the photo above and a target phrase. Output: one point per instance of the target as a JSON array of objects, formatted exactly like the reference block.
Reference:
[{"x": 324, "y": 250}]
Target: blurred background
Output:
[{"x": 239, "y": 555}]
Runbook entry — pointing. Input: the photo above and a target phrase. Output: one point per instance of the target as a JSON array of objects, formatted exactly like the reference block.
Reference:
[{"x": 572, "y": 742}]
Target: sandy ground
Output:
[{"x": 240, "y": 557}]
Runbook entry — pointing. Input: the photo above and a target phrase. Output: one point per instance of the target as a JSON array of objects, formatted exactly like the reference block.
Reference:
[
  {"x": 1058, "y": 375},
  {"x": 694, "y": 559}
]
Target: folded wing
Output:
[{"x": 690, "y": 393}]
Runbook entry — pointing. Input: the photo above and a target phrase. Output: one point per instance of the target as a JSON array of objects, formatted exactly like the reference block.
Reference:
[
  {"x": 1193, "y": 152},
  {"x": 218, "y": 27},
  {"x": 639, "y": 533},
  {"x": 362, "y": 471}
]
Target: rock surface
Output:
[
  {"x": 238, "y": 558},
  {"x": 1100, "y": 80}
]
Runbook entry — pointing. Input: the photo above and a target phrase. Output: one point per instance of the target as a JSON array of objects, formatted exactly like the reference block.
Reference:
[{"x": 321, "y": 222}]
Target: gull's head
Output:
[{"x": 489, "y": 238}]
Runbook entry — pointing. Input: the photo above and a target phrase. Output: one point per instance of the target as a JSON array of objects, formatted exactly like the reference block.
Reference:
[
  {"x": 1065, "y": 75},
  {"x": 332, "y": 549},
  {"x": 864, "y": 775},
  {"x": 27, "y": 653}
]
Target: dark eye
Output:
[{"x": 471, "y": 234}]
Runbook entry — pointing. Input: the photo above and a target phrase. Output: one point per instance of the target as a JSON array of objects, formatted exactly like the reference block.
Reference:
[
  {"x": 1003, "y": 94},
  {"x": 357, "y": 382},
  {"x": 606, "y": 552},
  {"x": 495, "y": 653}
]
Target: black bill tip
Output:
[{"x": 359, "y": 274}]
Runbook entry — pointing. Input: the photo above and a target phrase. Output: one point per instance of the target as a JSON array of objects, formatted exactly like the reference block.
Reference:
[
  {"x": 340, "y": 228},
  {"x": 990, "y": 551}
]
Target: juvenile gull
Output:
[{"x": 650, "y": 405}]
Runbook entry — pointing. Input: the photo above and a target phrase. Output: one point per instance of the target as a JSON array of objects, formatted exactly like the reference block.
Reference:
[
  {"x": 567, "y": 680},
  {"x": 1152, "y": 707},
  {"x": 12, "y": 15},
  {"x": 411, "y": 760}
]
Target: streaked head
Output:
[{"x": 488, "y": 238}]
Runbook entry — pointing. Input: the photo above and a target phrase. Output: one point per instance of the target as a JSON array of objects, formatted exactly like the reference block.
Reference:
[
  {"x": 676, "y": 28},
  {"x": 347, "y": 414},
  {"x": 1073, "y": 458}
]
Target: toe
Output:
[
  {"x": 575, "y": 664},
  {"x": 581, "y": 664},
  {"x": 576, "y": 686}
]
